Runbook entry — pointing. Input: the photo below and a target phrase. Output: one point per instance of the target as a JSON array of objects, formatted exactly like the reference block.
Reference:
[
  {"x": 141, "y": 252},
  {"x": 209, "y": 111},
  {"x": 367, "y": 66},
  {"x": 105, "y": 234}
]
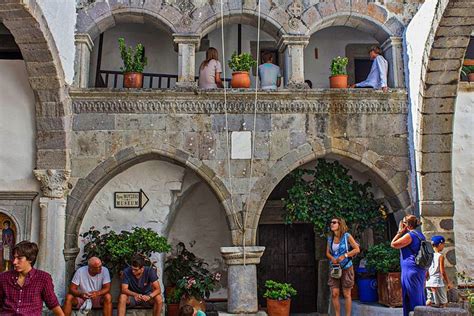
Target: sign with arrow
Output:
[{"x": 130, "y": 199}]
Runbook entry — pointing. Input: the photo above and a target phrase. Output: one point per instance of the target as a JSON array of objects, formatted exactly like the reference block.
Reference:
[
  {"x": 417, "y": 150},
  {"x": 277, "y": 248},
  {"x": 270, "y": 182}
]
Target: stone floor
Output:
[{"x": 360, "y": 309}]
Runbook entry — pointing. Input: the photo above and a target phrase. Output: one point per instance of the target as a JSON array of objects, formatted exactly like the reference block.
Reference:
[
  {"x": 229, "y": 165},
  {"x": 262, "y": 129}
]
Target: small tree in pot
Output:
[
  {"x": 134, "y": 61},
  {"x": 240, "y": 65},
  {"x": 278, "y": 297},
  {"x": 385, "y": 260},
  {"x": 338, "y": 78}
]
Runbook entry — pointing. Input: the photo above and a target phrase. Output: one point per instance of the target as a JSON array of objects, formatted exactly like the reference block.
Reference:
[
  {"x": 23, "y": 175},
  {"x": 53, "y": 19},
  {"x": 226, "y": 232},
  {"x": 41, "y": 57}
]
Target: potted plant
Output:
[
  {"x": 173, "y": 298},
  {"x": 468, "y": 71},
  {"x": 338, "y": 78},
  {"x": 190, "y": 274},
  {"x": 466, "y": 290},
  {"x": 278, "y": 297},
  {"x": 385, "y": 260},
  {"x": 116, "y": 249},
  {"x": 134, "y": 62},
  {"x": 240, "y": 65}
]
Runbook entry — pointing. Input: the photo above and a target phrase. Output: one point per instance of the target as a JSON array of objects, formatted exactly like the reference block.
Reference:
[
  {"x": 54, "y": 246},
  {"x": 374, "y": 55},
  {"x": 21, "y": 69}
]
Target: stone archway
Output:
[
  {"x": 393, "y": 183},
  {"x": 46, "y": 76},
  {"x": 445, "y": 49},
  {"x": 86, "y": 188}
]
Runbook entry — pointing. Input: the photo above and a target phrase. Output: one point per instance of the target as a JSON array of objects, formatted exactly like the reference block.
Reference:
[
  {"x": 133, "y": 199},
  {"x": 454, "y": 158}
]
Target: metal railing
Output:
[{"x": 114, "y": 79}]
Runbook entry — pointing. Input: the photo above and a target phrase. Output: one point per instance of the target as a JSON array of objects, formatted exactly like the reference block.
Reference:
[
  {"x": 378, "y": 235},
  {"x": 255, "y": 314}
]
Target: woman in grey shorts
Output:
[{"x": 337, "y": 251}]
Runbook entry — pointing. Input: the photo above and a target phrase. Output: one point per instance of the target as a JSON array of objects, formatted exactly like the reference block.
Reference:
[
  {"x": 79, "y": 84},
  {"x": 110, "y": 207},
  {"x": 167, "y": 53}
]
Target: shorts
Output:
[
  {"x": 346, "y": 280},
  {"x": 96, "y": 302},
  {"x": 134, "y": 303},
  {"x": 436, "y": 295}
]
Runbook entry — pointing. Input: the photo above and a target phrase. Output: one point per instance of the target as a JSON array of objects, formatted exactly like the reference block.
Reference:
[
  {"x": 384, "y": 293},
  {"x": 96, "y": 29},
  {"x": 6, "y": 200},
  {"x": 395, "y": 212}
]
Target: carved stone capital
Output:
[
  {"x": 235, "y": 255},
  {"x": 54, "y": 182}
]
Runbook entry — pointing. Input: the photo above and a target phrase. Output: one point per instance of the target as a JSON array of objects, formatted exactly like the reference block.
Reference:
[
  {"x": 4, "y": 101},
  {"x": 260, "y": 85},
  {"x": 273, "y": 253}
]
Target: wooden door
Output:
[{"x": 289, "y": 257}]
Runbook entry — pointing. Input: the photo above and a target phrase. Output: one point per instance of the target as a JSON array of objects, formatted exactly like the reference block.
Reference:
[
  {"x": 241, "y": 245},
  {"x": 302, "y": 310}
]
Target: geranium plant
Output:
[
  {"x": 241, "y": 62},
  {"x": 190, "y": 273},
  {"x": 134, "y": 59},
  {"x": 278, "y": 291},
  {"x": 338, "y": 66},
  {"x": 116, "y": 249}
]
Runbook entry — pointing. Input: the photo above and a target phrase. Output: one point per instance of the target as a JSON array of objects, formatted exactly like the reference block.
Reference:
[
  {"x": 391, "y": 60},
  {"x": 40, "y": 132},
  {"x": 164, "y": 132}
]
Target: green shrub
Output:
[
  {"x": 116, "y": 250},
  {"x": 134, "y": 59},
  {"x": 278, "y": 291},
  {"x": 242, "y": 62},
  {"x": 383, "y": 258},
  {"x": 338, "y": 66},
  {"x": 466, "y": 70}
]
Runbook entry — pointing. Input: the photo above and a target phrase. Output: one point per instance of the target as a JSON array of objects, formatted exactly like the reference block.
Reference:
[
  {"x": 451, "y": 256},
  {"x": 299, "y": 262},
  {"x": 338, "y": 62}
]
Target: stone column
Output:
[
  {"x": 242, "y": 279},
  {"x": 84, "y": 45},
  {"x": 292, "y": 46},
  {"x": 53, "y": 225},
  {"x": 187, "y": 46},
  {"x": 393, "y": 52}
]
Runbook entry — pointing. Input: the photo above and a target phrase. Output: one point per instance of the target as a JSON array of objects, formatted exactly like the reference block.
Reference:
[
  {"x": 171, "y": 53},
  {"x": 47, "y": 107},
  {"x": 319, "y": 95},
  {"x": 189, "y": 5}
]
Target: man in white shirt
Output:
[
  {"x": 377, "y": 78},
  {"x": 90, "y": 288}
]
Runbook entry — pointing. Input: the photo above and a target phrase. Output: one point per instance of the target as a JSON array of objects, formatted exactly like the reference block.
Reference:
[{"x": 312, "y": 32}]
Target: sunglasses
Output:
[{"x": 334, "y": 222}]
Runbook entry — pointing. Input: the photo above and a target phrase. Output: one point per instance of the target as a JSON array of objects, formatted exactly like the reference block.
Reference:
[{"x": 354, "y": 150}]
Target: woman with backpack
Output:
[
  {"x": 413, "y": 274},
  {"x": 341, "y": 270}
]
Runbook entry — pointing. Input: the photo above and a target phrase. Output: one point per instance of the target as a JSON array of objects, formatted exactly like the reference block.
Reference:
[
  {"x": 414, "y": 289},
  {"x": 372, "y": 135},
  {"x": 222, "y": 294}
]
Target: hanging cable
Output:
[{"x": 236, "y": 219}]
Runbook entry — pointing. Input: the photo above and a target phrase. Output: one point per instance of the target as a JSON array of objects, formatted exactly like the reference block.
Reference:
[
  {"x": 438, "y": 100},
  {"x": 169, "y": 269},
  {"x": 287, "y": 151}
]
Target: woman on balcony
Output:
[{"x": 210, "y": 71}]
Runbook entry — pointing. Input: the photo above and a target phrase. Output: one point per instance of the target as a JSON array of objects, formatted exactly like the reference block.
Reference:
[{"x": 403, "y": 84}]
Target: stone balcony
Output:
[{"x": 323, "y": 101}]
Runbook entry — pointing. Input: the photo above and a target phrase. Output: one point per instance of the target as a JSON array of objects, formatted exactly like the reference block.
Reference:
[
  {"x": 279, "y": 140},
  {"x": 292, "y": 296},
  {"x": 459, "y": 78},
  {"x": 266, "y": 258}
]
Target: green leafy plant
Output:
[
  {"x": 242, "y": 62},
  {"x": 190, "y": 274},
  {"x": 383, "y": 258},
  {"x": 278, "y": 291},
  {"x": 116, "y": 250},
  {"x": 174, "y": 296},
  {"x": 328, "y": 191},
  {"x": 338, "y": 66},
  {"x": 134, "y": 59},
  {"x": 466, "y": 286}
]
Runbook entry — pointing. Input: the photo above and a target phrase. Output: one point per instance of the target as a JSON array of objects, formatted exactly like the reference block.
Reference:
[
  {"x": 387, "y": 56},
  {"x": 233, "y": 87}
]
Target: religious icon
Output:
[{"x": 7, "y": 241}]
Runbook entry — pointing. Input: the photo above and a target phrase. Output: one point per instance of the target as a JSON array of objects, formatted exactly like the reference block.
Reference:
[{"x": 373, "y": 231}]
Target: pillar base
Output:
[
  {"x": 186, "y": 85},
  {"x": 242, "y": 278}
]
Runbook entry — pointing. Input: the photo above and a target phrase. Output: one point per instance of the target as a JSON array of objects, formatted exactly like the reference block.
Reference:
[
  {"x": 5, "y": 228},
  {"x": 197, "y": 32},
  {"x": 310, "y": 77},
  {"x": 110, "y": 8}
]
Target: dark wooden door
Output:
[{"x": 289, "y": 257}]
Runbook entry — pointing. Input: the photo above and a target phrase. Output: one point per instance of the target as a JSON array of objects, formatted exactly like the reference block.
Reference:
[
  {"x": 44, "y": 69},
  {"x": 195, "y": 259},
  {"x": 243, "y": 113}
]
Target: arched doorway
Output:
[{"x": 8, "y": 238}]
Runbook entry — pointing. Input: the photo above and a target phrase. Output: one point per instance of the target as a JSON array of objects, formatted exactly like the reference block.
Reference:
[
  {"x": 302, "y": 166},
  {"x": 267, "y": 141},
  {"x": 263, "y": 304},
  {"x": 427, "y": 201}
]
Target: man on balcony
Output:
[
  {"x": 377, "y": 78},
  {"x": 269, "y": 73}
]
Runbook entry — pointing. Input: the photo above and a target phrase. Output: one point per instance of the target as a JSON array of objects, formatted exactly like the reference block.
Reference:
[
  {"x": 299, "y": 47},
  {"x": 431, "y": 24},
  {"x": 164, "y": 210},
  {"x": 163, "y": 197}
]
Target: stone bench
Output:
[{"x": 436, "y": 311}]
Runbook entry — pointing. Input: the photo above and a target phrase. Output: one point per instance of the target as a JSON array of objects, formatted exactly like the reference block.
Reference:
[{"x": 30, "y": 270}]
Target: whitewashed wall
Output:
[
  {"x": 17, "y": 133},
  {"x": 463, "y": 177},
  {"x": 330, "y": 42},
  {"x": 198, "y": 217},
  {"x": 61, "y": 18}
]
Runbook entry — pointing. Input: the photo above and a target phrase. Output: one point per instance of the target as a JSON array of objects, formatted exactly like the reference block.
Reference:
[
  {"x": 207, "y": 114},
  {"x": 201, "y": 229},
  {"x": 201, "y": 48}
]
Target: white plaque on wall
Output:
[{"x": 241, "y": 145}]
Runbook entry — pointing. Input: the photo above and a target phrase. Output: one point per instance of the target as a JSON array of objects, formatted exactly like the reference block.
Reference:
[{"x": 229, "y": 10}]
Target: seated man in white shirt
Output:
[
  {"x": 377, "y": 78},
  {"x": 90, "y": 288}
]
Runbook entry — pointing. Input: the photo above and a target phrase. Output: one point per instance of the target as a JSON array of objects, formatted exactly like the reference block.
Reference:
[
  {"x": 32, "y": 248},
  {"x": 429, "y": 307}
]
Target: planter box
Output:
[{"x": 390, "y": 289}]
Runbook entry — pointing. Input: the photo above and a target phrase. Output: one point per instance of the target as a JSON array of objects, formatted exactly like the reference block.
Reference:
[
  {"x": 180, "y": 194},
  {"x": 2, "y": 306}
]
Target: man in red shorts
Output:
[{"x": 90, "y": 288}]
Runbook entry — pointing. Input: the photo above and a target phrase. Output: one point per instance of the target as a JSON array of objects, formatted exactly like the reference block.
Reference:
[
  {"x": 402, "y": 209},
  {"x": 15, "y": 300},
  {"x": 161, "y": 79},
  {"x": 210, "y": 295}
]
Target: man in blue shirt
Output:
[
  {"x": 377, "y": 78},
  {"x": 269, "y": 74},
  {"x": 140, "y": 286}
]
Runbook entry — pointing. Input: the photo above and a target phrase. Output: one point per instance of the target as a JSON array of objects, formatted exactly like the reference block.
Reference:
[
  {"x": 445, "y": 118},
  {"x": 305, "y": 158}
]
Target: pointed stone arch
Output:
[
  {"x": 392, "y": 182},
  {"x": 32, "y": 35}
]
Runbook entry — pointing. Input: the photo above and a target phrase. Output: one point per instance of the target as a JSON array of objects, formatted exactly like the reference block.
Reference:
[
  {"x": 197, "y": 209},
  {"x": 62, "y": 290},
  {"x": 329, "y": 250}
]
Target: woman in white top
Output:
[{"x": 210, "y": 71}]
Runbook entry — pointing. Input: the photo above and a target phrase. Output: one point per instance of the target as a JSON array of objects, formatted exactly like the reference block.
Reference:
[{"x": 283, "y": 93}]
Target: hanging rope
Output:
[{"x": 236, "y": 219}]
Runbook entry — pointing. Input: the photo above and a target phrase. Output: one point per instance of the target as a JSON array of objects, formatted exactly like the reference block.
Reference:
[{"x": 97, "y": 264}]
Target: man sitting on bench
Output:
[
  {"x": 140, "y": 287},
  {"x": 90, "y": 288}
]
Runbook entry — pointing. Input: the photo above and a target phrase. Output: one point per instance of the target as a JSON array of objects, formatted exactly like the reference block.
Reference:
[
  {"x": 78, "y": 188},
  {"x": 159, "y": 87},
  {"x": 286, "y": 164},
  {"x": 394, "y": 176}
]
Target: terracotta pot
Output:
[
  {"x": 470, "y": 77},
  {"x": 390, "y": 289},
  {"x": 339, "y": 81},
  {"x": 278, "y": 308},
  {"x": 240, "y": 79},
  {"x": 172, "y": 309},
  {"x": 197, "y": 303},
  {"x": 132, "y": 80}
]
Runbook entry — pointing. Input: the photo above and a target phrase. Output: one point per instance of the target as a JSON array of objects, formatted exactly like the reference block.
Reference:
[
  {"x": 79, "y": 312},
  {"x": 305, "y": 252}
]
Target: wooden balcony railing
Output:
[{"x": 114, "y": 79}]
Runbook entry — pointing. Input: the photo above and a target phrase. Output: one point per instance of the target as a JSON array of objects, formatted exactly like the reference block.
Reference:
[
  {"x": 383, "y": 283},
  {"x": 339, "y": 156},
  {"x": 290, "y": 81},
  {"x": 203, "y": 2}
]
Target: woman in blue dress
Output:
[{"x": 413, "y": 276}]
